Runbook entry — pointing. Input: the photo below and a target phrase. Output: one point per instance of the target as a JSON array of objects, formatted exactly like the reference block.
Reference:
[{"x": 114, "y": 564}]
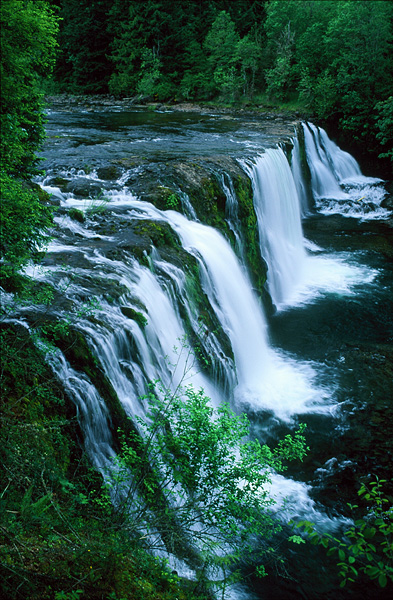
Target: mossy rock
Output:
[
  {"x": 76, "y": 215},
  {"x": 109, "y": 172},
  {"x": 250, "y": 231},
  {"x": 135, "y": 315},
  {"x": 159, "y": 233},
  {"x": 166, "y": 198},
  {"x": 58, "y": 181},
  {"x": 78, "y": 353}
]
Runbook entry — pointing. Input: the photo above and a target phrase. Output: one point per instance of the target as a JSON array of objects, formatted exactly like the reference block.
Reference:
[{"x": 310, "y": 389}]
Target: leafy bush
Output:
[
  {"x": 24, "y": 220},
  {"x": 193, "y": 480},
  {"x": 367, "y": 546}
]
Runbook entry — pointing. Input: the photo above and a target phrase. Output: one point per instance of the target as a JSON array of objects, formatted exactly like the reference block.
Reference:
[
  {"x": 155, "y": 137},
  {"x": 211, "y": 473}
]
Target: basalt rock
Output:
[{"x": 84, "y": 188}]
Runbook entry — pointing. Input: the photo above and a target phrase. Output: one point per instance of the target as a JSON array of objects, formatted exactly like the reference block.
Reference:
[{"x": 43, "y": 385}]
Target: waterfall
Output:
[
  {"x": 323, "y": 180},
  {"x": 266, "y": 380},
  {"x": 343, "y": 164},
  {"x": 277, "y": 207},
  {"x": 149, "y": 322},
  {"x": 232, "y": 212},
  {"x": 337, "y": 183},
  {"x": 301, "y": 187},
  {"x": 230, "y": 295}
]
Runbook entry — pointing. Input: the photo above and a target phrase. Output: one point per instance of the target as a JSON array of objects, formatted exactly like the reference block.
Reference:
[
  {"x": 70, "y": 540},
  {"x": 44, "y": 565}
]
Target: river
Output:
[{"x": 320, "y": 353}]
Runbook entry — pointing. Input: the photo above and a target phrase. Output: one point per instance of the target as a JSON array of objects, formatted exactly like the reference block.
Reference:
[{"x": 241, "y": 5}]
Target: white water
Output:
[
  {"x": 298, "y": 272},
  {"x": 266, "y": 379},
  {"x": 337, "y": 182},
  {"x": 300, "y": 183},
  {"x": 323, "y": 180},
  {"x": 232, "y": 212},
  {"x": 277, "y": 207}
]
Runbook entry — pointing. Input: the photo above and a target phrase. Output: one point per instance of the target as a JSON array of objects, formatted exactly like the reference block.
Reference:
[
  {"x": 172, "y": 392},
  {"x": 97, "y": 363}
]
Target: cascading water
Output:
[
  {"x": 298, "y": 272},
  {"x": 303, "y": 192},
  {"x": 343, "y": 164},
  {"x": 263, "y": 376},
  {"x": 131, "y": 353},
  {"x": 277, "y": 208},
  {"x": 338, "y": 185},
  {"x": 324, "y": 182},
  {"x": 232, "y": 212}
]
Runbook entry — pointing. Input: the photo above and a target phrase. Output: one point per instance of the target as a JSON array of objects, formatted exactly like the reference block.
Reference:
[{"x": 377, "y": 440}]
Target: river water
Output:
[{"x": 324, "y": 356}]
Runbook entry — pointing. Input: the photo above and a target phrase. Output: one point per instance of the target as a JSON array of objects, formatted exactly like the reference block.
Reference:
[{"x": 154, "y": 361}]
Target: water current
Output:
[{"x": 323, "y": 355}]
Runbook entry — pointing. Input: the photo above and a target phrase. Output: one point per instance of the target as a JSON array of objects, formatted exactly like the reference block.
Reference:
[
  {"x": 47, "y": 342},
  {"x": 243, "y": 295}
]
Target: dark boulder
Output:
[
  {"x": 109, "y": 173},
  {"x": 84, "y": 188}
]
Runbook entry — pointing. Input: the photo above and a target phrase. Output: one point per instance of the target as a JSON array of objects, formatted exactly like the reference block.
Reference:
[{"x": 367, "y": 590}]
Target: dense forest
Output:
[
  {"x": 60, "y": 537},
  {"x": 333, "y": 58}
]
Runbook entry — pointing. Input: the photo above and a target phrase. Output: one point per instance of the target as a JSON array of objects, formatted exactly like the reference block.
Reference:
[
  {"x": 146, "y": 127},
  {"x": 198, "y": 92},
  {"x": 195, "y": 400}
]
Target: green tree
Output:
[
  {"x": 278, "y": 78},
  {"x": 338, "y": 56},
  {"x": 28, "y": 43},
  {"x": 83, "y": 65},
  {"x": 23, "y": 227},
  {"x": 384, "y": 124},
  {"x": 294, "y": 33},
  {"x": 220, "y": 45},
  {"x": 359, "y": 43},
  {"x": 158, "y": 27},
  {"x": 248, "y": 56},
  {"x": 197, "y": 479}
]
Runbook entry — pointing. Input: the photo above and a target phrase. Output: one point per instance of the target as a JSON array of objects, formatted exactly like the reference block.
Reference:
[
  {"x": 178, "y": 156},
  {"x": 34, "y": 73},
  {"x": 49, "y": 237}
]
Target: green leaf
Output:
[
  {"x": 341, "y": 554},
  {"x": 382, "y": 580},
  {"x": 369, "y": 532}
]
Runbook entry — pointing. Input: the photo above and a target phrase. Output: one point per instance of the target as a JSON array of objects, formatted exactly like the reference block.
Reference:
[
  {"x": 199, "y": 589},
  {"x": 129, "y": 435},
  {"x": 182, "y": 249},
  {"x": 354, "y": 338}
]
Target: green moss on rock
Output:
[
  {"x": 135, "y": 315},
  {"x": 159, "y": 233},
  {"x": 76, "y": 215},
  {"x": 250, "y": 232}
]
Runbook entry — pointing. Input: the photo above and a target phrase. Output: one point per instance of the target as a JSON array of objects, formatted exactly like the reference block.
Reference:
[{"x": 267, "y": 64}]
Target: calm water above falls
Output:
[{"x": 325, "y": 357}]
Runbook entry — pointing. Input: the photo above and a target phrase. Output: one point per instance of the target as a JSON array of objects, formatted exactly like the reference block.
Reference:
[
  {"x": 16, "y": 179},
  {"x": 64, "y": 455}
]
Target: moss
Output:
[
  {"x": 135, "y": 315},
  {"x": 166, "y": 198},
  {"x": 208, "y": 200},
  {"x": 303, "y": 159},
  {"x": 57, "y": 526},
  {"x": 76, "y": 215},
  {"x": 250, "y": 232},
  {"x": 199, "y": 303},
  {"x": 78, "y": 353},
  {"x": 36, "y": 417},
  {"x": 159, "y": 233}
]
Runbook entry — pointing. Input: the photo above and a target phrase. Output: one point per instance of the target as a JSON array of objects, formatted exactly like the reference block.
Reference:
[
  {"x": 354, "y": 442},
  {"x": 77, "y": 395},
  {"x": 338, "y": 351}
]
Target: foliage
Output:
[
  {"x": 384, "y": 123},
  {"x": 24, "y": 221},
  {"x": 57, "y": 536},
  {"x": 278, "y": 78},
  {"x": 28, "y": 43},
  {"x": 335, "y": 56},
  {"x": 197, "y": 481},
  {"x": 172, "y": 202},
  {"x": 367, "y": 546},
  {"x": 82, "y": 63},
  {"x": 338, "y": 58}
]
